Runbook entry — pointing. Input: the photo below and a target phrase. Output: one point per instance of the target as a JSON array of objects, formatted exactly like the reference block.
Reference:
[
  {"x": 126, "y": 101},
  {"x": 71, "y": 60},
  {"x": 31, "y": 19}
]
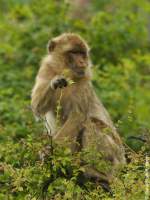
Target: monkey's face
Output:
[
  {"x": 77, "y": 60},
  {"x": 73, "y": 51}
]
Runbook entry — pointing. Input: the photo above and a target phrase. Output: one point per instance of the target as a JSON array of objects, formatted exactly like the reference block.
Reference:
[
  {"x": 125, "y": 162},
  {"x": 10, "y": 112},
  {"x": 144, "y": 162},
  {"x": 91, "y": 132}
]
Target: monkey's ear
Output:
[{"x": 51, "y": 45}]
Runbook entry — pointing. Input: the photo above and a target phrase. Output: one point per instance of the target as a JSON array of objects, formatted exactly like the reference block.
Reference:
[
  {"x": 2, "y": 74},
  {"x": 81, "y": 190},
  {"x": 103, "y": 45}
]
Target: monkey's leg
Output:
[
  {"x": 98, "y": 177},
  {"x": 94, "y": 147},
  {"x": 70, "y": 131}
]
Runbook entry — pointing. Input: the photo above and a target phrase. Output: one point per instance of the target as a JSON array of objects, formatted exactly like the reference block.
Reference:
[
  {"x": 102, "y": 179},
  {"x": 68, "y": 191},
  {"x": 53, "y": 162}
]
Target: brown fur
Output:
[{"x": 82, "y": 111}]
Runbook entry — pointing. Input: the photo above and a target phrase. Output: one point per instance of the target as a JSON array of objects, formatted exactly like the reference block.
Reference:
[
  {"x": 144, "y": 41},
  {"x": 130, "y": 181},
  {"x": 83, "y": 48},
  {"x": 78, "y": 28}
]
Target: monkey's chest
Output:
[{"x": 71, "y": 99}]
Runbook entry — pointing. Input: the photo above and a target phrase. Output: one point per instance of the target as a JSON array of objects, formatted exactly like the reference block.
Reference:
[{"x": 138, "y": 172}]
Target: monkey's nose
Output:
[{"x": 82, "y": 65}]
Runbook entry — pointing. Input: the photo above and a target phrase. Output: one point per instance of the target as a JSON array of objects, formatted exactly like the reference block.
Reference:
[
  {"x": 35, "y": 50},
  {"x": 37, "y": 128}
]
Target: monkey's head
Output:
[{"x": 72, "y": 52}]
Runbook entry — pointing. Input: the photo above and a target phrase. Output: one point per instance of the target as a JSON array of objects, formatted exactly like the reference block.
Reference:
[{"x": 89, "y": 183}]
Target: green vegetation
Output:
[{"x": 117, "y": 32}]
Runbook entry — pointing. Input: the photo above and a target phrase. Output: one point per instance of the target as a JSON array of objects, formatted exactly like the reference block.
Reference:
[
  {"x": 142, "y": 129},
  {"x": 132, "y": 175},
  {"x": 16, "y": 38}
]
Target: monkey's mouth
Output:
[{"x": 80, "y": 73}]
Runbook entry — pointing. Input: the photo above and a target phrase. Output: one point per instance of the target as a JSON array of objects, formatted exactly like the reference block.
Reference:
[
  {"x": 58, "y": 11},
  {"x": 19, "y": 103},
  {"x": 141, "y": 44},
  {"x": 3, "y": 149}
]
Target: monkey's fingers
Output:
[
  {"x": 60, "y": 83},
  {"x": 57, "y": 84},
  {"x": 106, "y": 187},
  {"x": 63, "y": 82}
]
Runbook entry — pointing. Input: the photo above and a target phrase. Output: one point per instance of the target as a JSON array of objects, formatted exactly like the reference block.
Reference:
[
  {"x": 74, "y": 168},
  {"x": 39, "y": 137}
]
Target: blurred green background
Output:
[{"x": 118, "y": 33}]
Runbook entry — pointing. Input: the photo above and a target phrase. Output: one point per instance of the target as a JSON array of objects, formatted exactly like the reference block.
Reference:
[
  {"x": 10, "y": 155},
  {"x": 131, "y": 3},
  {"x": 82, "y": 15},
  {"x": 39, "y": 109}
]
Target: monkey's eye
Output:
[{"x": 83, "y": 53}]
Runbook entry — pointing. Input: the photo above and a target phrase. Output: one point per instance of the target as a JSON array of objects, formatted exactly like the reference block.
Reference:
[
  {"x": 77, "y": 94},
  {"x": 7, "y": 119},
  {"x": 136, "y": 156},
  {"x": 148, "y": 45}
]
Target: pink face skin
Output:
[{"x": 78, "y": 61}]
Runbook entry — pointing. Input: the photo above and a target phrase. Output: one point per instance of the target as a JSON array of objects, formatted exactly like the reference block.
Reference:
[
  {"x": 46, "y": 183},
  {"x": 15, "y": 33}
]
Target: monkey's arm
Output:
[
  {"x": 43, "y": 92},
  {"x": 41, "y": 95}
]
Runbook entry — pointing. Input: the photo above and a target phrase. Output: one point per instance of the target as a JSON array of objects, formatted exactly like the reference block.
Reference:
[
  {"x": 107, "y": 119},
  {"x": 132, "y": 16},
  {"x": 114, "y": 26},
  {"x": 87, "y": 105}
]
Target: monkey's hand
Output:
[{"x": 58, "y": 82}]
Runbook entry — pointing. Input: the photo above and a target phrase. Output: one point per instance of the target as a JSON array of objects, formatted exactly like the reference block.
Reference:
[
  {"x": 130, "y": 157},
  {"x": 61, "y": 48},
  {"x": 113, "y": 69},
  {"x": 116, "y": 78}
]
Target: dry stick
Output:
[
  {"x": 48, "y": 128},
  {"x": 47, "y": 182},
  {"x": 48, "y": 131}
]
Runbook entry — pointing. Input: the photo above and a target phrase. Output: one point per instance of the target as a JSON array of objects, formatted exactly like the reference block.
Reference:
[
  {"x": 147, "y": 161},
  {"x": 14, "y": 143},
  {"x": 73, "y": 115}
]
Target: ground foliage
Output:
[{"x": 117, "y": 32}]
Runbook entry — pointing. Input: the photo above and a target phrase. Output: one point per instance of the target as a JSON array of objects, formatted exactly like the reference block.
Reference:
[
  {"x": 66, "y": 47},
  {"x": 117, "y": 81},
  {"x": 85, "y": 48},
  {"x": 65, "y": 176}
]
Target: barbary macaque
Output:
[{"x": 83, "y": 119}]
